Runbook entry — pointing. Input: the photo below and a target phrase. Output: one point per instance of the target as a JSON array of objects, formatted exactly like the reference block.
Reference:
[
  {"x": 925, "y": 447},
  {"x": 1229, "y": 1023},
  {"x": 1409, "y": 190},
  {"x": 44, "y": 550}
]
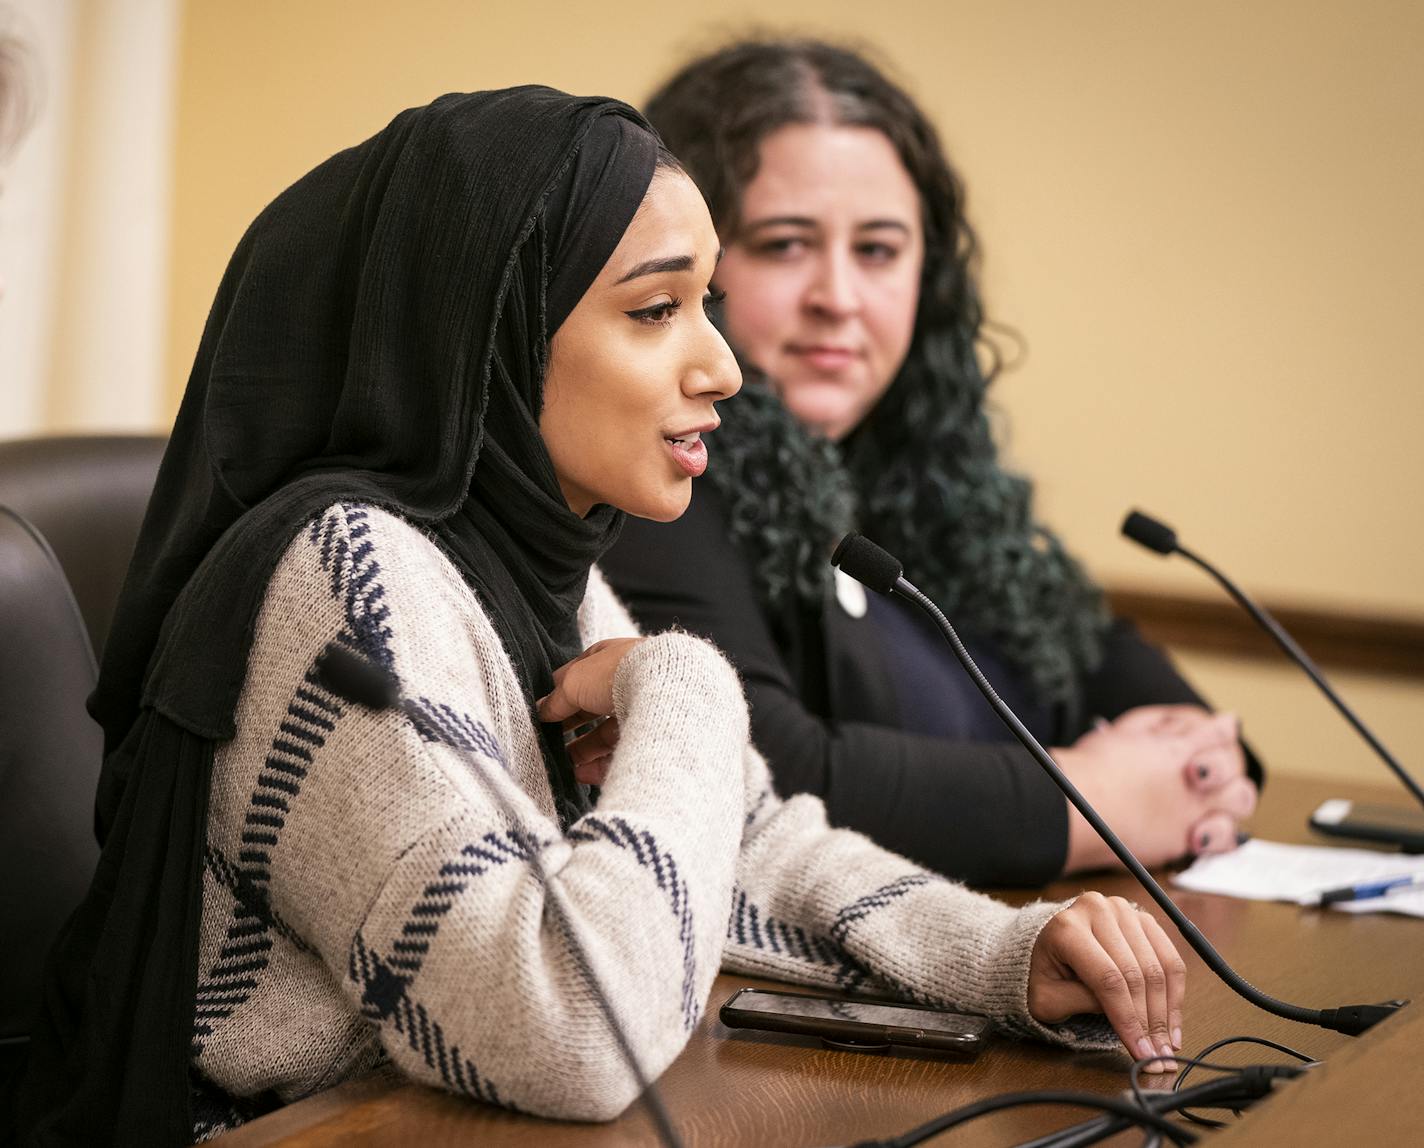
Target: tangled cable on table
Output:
[{"x": 1235, "y": 1090}]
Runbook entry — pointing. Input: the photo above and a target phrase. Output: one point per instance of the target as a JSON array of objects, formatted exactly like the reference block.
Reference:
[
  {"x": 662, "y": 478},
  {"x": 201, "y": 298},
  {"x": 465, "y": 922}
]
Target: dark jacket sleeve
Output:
[
  {"x": 983, "y": 813},
  {"x": 1136, "y": 673}
]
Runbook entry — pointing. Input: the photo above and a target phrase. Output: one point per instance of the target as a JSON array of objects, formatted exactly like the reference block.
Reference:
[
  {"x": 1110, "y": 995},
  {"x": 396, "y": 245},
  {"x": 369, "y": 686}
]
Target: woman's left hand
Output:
[
  {"x": 592, "y": 752},
  {"x": 583, "y": 693},
  {"x": 1104, "y": 955}
]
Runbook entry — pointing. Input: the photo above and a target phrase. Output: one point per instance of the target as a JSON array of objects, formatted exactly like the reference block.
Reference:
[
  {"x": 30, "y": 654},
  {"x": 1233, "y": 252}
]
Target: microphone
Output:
[
  {"x": 1147, "y": 531},
  {"x": 867, "y": 563},
  {"x": 858, "y": 556},
  {"x": 359, "y": 680}
]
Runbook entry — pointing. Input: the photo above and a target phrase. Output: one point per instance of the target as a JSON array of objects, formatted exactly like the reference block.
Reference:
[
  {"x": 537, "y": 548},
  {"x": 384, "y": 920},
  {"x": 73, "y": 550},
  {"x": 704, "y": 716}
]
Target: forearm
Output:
[{"x": 828, "y": 907}]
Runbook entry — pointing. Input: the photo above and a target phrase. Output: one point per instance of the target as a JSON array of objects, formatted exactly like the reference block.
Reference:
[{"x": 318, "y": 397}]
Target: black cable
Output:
[
  {"x": 1100, "y": 1128},
  {"x": 1246, "y": 1084},
  {"x": 1179, "y": 1099},
  {"x": 1206, "y": 1122},
  {"x": 1350, "y": 1019},
  {"x": 1131, "y": 1112},
  {"x": 1302, "y": 659},
  {"x": 1192, "y": 1062}
]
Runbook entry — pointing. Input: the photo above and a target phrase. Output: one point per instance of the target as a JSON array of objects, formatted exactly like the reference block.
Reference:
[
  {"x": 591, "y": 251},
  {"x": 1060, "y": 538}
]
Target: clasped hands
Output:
[{"x": 1170, "y": 780}]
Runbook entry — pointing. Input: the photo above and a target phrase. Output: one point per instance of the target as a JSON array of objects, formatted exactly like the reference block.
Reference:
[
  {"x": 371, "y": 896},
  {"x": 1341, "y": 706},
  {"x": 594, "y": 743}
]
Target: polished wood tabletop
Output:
[{"x": 736, "y": 1087}]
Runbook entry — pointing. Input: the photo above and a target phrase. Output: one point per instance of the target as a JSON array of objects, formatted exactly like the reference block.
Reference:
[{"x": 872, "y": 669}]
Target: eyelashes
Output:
[
  {"x": 661, "y": 314},
  {"x": 658, "y": 314}
]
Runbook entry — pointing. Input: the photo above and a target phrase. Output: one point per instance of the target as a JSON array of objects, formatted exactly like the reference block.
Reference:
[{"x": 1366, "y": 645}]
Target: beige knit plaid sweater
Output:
[{"x": 365, "y": 900}]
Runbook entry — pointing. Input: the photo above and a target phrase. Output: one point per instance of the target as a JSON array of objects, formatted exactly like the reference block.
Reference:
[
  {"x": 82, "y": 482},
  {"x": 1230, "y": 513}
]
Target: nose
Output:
[
  {"x": 833, "y": 291},
  {"x": 714, "y": 374}
]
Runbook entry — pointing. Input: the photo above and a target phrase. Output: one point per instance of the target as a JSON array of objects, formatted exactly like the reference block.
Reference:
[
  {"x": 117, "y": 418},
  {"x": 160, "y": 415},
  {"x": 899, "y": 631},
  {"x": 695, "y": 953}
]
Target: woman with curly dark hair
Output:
[{"x": 851, "y": 299}]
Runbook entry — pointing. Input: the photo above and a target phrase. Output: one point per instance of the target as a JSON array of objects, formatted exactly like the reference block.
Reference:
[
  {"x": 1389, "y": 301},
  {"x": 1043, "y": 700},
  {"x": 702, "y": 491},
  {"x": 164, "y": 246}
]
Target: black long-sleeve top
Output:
[{"x": 834, "y": 700}]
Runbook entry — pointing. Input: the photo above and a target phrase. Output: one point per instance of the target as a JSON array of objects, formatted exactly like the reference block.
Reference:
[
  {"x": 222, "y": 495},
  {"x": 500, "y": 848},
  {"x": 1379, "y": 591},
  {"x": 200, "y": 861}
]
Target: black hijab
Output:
[{"x": 380, "y": 336}]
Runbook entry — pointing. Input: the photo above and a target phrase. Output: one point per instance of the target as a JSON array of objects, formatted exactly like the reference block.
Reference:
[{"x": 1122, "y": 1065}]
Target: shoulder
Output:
[
  {"x": 348, "y": 538},
  {"x": 365, "y": 560},
  {"x": 369, "y": 578},
  {"x": 379, "y": 585}
]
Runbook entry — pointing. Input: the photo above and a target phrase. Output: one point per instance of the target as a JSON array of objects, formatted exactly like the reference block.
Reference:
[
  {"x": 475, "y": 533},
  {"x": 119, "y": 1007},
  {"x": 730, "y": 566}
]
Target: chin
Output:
[
  {"x": 832, "y": 420},
  {"x": 822, "y": 407},
  {"x": 664, "y": 506}
]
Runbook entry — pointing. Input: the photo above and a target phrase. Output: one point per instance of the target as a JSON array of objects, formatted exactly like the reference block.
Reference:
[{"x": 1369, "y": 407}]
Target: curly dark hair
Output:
[{"x": 922, "y": 466}]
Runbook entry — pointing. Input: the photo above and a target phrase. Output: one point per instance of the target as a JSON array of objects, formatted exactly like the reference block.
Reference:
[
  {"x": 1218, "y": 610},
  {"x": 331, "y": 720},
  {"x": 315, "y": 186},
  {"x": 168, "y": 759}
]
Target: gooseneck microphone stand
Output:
[
  {"x": 866, "y": 562},
  {"x": 1157, "y": 536}
]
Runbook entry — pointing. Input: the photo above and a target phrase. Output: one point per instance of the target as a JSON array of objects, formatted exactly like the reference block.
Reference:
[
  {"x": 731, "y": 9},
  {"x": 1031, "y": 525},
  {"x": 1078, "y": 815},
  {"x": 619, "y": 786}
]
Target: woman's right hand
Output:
[
  {"x": 583, "y": 693},
  {"x": 1105, "y": 955}
]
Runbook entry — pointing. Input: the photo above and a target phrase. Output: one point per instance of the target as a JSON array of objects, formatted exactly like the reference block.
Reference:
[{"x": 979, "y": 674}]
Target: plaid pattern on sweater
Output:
[{"x": 365, "y": 900}]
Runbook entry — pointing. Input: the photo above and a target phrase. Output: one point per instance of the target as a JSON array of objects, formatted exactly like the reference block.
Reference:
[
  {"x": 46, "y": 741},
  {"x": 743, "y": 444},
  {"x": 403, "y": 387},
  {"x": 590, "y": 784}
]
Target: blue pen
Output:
[{"x": 1370, "y": 889}]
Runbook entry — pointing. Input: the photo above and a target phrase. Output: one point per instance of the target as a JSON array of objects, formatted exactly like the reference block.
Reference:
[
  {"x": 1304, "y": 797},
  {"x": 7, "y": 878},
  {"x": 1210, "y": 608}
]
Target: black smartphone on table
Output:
[
  {"x": 863, "y": 1025},
  {"x": 1400, "y": 825}
]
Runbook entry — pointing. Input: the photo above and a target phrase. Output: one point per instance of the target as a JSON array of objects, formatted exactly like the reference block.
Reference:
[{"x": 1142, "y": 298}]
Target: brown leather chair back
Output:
[
  {"x": 87, "y": 495},
  {"x": 50, "y": 751}
]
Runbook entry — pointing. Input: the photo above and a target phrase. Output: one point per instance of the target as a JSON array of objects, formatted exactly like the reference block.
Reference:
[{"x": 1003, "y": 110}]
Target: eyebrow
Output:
[
  {"x": 806, "y": 221},
  {"x": 661, "y": 266}
]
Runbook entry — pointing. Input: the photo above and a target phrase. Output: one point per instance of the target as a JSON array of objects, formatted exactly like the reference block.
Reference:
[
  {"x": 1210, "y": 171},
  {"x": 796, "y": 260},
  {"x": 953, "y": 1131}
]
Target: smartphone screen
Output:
[{"x": 863, "y": 1021}]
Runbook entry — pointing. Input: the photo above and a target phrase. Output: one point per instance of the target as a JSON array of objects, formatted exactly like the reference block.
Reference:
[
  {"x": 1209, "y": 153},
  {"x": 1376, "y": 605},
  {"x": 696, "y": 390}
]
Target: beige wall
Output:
[
  {"x": 85, "y": 218},
  {"x": 1204, "y": 219},
  {"x": 108, "y": 346}
]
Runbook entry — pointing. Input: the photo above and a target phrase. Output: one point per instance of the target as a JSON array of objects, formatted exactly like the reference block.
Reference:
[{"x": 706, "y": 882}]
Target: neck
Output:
[{"x": 579, "y": 501}]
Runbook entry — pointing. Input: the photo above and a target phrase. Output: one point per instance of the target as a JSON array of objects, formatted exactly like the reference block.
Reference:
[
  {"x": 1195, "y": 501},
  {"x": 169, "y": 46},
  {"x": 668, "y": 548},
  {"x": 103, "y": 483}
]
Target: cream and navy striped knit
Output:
[{"x": 365, "y": 900}]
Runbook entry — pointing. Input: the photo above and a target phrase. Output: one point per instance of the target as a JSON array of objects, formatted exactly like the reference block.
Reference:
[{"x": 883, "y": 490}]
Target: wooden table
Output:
[{"x": 743, "y": 1088}]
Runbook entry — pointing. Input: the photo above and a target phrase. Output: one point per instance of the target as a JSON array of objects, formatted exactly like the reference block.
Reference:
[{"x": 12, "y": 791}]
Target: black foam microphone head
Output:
[
  {"x": 348, "y": 675},
  {"x": 1147, "y": 531},
  {"x": 868, "y": 563}
]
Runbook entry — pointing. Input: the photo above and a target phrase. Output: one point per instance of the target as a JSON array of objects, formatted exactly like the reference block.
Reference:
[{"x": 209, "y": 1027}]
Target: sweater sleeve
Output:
[
  {"x": 832, "y": 909},
  {"x": 978, "y": 812},
  {"x": 829, "y": 908},
  {"x": 419, "y": 893}
]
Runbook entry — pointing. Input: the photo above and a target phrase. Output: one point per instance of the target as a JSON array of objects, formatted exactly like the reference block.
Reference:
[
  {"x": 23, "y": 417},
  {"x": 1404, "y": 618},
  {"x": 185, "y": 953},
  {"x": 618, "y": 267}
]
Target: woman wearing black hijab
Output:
[{"x": 437, "y": 369}]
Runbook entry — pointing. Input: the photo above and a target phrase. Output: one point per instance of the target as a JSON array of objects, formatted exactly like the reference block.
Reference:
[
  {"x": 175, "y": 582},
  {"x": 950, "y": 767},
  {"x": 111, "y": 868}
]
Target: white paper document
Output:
[{"x": 1270, "y": 871}]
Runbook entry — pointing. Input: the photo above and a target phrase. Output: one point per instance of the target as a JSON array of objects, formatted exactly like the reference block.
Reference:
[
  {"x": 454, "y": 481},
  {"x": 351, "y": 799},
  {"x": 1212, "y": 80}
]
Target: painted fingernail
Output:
[
  {"x": 1144, "y": 1049},
  {"x": 1177, "y": 1039}
]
